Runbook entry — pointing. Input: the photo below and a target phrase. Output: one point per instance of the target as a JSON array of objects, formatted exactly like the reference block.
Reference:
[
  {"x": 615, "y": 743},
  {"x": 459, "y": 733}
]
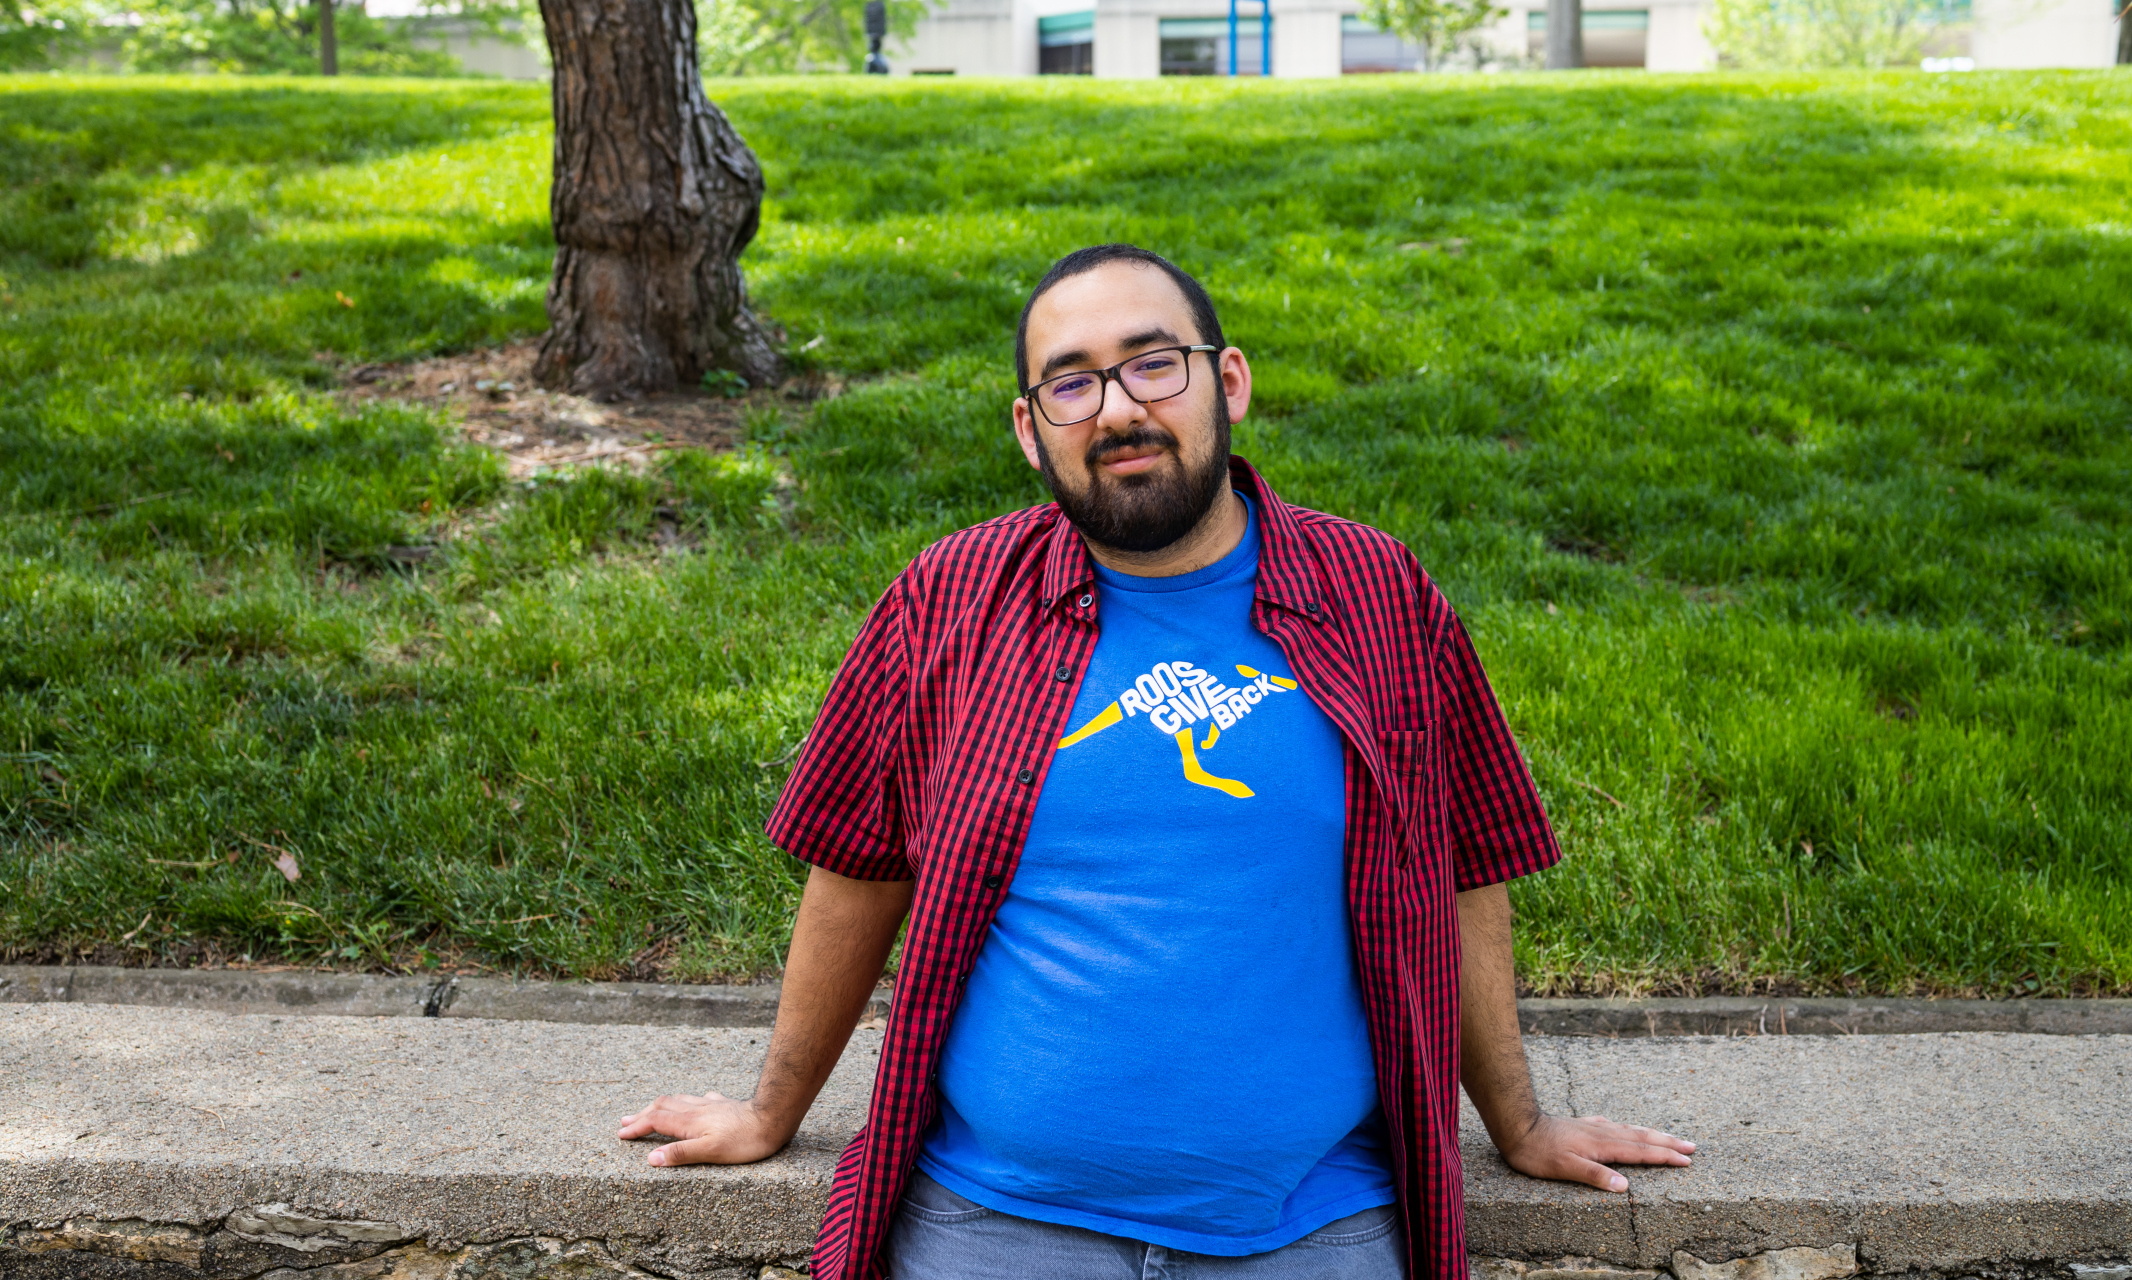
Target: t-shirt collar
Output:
[
  {"x": 1241, "y": 561},
  {"x": 1287, "y": 577}
]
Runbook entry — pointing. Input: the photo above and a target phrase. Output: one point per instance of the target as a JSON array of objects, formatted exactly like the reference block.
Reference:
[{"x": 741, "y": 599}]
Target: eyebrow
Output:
[{"x": 1144, "y": 338}]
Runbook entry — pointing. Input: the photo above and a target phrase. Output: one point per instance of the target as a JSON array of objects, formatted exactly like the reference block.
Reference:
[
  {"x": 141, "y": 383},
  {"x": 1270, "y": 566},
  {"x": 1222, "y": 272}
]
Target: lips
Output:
[
  {"x": 1131, "y": 454},
  {"x": 1131, "y": 461}
]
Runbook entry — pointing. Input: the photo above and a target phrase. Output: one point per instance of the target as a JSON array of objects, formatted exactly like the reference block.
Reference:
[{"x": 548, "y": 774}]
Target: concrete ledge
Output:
[
  {"x": 1805, "y": 1016},
  {"x": 142, "y": 1142},
  {"x": 682, "y": 1005},
  {"x": 370, "y": 995},
  {"x": 1951, "y": 1153},
  {"x": 176, "y": 1143}
]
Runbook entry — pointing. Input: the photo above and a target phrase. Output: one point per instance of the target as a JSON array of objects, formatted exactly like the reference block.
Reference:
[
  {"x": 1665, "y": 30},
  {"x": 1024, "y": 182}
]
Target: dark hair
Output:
[{"x": 1082, "y": 261}]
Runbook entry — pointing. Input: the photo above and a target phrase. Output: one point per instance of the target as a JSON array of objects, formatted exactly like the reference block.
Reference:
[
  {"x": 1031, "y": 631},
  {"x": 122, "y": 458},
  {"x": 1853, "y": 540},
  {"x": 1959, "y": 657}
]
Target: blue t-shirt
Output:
[{"x": 1163, "y": 1035}]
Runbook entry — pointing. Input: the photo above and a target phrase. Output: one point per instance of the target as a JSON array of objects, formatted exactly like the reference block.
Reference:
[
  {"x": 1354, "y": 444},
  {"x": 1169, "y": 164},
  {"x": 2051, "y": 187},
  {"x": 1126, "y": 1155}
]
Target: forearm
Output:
[
  {"x": 1491, "y": 1047},
  {"x": 1492, "y": 1067},
  {"x": 840, "y": 942}
]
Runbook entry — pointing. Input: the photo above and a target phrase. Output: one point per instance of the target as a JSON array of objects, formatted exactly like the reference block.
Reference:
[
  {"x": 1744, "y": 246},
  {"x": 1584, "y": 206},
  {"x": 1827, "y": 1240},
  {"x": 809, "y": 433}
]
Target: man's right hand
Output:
[
  {"x": 839, "y": 943},
  {"x": 713, "y": 1129}
]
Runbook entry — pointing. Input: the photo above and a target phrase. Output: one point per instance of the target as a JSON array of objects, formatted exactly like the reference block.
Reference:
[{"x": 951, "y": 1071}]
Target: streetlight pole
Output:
[{"x": 876, "y": 32}]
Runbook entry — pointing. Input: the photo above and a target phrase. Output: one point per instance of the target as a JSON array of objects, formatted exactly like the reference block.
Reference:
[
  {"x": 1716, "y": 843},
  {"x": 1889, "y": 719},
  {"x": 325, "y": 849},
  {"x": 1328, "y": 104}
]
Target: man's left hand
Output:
[{"x": 1578, "y": 1149}]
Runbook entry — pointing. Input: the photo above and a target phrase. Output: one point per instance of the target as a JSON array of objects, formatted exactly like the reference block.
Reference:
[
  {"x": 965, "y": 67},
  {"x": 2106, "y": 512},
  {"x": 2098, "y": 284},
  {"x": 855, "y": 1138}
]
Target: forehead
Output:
[{"x": 1097, "y": 310}]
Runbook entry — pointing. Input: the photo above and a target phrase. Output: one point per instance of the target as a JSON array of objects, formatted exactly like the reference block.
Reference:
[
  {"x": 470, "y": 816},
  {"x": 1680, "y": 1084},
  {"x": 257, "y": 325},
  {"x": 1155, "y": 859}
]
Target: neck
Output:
[{"x": 1215, "y": 536}]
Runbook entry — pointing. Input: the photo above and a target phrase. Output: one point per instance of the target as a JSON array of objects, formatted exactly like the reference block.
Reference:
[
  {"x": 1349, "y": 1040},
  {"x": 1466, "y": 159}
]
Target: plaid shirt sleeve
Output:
[
  {"x": 840, "y": 809},
  {"x": 1498, "y": 829}
]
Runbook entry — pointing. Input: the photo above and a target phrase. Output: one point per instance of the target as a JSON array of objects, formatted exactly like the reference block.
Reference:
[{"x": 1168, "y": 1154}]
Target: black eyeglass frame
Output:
[{"x": 1111, "y": 375}]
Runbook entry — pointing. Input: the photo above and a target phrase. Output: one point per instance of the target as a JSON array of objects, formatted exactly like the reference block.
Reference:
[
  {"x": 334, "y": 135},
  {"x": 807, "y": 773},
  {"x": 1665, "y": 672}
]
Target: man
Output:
[{"x": 1200, "y": 807}]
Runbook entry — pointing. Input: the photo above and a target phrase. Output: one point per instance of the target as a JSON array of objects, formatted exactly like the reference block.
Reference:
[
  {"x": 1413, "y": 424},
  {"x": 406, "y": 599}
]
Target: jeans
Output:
[{"x": 938, "y": 1235}]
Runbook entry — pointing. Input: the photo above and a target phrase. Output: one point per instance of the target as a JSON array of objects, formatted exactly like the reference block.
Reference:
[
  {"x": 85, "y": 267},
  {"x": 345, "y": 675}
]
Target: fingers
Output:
[
  {"x": 645, "y": 1123},
  {"x": 1578, "y": 1169},
  {"x": 721, "y": 1148},
  {"x": 1618, "y": 1152},
  {"x": 1651, "y": 1137},
  {"x": 684, "y": 1101},
  {"x": 672, "y": 1114},
  {"x": 679, "y": 1124},
  {"x": 689, "y": 1151},
  {"x": 1581, "y": 1150},
  {"x": 1607, "y": 1130}
]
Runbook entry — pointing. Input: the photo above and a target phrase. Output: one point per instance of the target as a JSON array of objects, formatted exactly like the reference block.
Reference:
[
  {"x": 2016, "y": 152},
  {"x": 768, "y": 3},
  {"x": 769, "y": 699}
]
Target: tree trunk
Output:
[
  {"x": 1565, "y": 35},
  {"x": 655, "y": 196},
  {"x": 329, "y": 54},
  {"x": 2124, "y": 37}
]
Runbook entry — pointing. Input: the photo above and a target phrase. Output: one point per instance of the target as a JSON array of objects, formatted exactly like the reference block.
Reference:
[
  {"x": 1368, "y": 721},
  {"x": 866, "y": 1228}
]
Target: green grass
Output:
[{"x": 1773, "y": 435}]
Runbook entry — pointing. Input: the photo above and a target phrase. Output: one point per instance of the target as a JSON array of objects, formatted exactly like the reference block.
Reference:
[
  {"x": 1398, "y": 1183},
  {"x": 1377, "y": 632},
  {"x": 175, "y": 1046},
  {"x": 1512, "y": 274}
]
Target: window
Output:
[
  {"x": 1612, "y": 37},
  {"x": 1200, "y": 46},
  {"x": 1364, "y": 49},
  {"x": 1066, "y": 44}
]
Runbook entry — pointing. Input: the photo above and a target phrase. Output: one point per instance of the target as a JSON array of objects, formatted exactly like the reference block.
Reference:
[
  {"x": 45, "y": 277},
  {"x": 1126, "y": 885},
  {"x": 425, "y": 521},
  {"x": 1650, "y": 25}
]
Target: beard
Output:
[{"x": 1154, "y": 508}]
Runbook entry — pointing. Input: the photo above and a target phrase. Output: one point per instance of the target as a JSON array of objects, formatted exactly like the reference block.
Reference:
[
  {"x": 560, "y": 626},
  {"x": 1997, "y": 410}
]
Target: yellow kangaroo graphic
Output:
[
  {"x": 1109, "y": 716},
  {"x": 1193, "y": 773},
  {"x": 1188, "y": 756}
]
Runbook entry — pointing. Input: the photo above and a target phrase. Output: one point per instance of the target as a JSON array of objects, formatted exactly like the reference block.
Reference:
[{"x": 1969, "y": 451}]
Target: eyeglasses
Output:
[{"x": 1148, "y": 377}]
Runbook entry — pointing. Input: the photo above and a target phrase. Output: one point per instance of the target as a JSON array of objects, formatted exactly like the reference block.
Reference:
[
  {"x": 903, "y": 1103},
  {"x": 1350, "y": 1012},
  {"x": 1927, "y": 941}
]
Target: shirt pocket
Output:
[{"x": 1406, "y": 777}]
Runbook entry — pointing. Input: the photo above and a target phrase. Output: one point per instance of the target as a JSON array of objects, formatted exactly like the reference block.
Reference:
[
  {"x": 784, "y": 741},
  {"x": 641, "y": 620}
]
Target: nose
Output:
[{"x": 1119, "y": 410}]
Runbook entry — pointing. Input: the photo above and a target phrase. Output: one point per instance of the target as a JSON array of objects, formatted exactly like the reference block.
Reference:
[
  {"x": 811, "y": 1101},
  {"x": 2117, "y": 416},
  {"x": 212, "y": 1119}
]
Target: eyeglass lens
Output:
[{"x": 1077, "y": 397}]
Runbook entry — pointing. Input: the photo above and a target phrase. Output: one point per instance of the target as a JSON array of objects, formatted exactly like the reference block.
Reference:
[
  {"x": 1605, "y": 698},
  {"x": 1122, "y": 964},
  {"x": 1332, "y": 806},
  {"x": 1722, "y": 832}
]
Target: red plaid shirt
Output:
[{"x": 929, "y": 752}]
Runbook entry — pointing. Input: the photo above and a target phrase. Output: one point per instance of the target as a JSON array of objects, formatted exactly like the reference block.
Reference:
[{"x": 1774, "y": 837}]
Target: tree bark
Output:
[
  {"x": 2124, "y": 36},
  {"x": 1565, "y": 35},
  {"x": 329, "y": 54},
  {"x": 655, "y": 196}
]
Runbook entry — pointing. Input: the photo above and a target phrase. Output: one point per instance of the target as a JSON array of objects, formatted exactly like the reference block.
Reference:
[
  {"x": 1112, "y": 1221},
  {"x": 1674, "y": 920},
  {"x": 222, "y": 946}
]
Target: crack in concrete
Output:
[
  {"x": 441, "y": 994},
  {"x": 1569, "y": 1078},
  {"x": 1569, "y": 1094}
]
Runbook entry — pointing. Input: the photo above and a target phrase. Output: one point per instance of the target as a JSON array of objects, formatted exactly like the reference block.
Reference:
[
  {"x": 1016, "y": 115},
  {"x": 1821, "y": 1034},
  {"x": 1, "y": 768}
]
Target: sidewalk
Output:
[{"x": 178, "y": 1143}]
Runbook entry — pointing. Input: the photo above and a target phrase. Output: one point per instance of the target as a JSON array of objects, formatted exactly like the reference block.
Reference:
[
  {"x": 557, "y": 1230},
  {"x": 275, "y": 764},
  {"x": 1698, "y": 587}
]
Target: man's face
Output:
[{"x": 1134, "y": 477}]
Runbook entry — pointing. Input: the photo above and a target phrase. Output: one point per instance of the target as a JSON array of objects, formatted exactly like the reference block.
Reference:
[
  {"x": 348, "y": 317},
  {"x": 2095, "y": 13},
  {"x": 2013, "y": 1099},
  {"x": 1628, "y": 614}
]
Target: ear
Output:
[
  {"x": 1025, "y": 430},
  {"x": 1235, "y": 382}
]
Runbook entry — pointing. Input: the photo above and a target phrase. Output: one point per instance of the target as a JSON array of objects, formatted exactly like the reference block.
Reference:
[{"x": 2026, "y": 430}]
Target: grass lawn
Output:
[{"x": 1773, "y": 435}]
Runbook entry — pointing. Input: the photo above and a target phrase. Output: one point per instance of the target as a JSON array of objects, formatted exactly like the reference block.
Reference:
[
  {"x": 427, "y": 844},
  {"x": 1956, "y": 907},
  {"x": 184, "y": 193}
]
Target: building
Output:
[
  {"x": 1140, "y": 38},
  {"x": 1135, "y": 38},
  {"x": 2025, "y": 34},
  {"x": 482, "y": 52}
]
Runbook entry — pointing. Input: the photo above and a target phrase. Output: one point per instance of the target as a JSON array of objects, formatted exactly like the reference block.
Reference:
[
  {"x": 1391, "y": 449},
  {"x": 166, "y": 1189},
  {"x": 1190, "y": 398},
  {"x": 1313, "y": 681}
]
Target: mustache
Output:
[{"x": 1145, "y": 435}]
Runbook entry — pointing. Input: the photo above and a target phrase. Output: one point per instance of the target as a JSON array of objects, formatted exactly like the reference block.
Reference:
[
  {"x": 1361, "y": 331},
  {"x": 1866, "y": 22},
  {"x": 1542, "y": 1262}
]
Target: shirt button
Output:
[
  {"x": 1063, "y": 674},
  {"x": 1087, "y": 601},
  {"x": 993, "y": 882},
  {"x": 1025, "y": 777},
  {"x": 1310, "y": 606}
]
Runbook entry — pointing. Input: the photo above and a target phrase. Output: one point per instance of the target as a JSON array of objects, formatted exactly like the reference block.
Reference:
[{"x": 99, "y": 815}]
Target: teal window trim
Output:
[
  {"x": 1204, "y": 28},
  {"x": 1066, "y": 28},
  {"x": 1598, "y": 20}
]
